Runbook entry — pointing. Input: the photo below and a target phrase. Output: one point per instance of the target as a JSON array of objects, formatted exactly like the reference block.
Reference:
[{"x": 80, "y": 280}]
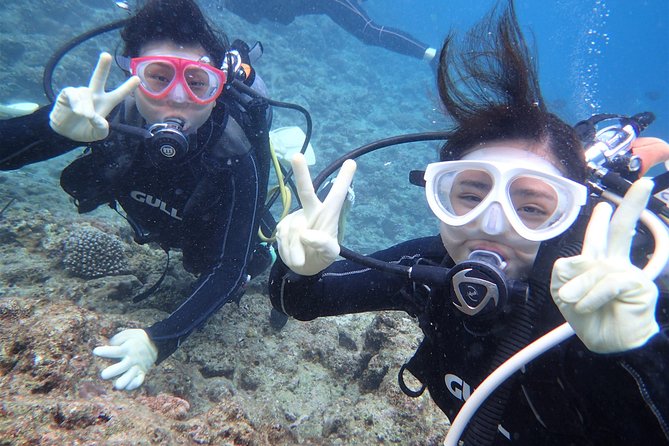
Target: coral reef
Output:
[{"x": 89, "y": 253}]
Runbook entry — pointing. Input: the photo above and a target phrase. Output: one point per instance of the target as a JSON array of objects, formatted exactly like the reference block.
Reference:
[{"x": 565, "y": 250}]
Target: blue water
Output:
[{"x": 606, "y": 56}]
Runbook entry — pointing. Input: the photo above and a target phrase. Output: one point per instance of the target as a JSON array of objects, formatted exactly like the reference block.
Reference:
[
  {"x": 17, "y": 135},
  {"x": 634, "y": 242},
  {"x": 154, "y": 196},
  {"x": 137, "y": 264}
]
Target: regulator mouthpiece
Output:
[{"x": 167, "y": 145}]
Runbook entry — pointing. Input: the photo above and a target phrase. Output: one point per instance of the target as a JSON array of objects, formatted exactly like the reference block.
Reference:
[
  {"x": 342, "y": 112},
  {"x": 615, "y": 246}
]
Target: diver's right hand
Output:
[
  {"x": 307, "y": 238},
  {"x": 79, "y": 112},
  {"x": 137, "y": 354}
]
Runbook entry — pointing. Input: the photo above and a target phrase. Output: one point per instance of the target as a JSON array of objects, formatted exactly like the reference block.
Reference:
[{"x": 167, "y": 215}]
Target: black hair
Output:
[
  {"x": 489, "y": 87},
  {"x": 180, "y": 21}
]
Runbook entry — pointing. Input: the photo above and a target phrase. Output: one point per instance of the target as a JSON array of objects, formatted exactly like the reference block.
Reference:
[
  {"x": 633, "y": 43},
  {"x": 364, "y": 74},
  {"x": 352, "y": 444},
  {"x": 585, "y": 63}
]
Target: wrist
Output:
[{"x": 651, "y": 330}]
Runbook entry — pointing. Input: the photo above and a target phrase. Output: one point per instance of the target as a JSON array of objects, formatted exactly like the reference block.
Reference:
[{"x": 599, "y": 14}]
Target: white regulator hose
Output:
[{"x": 654, "y": 267}]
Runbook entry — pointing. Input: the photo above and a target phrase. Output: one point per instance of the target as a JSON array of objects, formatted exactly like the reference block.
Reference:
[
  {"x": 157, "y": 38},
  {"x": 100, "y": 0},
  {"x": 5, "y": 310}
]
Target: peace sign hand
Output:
[
  {"x": 609, "y": 302},
  {"x": 307, "y": 238},
  {"x": 79, "y": 112}
]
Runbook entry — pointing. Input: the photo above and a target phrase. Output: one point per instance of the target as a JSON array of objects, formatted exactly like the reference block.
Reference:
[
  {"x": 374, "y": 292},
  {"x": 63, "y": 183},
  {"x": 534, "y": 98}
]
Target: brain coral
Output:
[{"x": 91, "y": 253}]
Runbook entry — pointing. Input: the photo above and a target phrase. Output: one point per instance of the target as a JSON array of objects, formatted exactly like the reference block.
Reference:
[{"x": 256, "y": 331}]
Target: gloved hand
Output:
[
  {"x": 79, "y": 113},
  {"x": 307, "y": 238},
  {"x": 137, "y": 353},
  {"x": 609, "y": 302}
]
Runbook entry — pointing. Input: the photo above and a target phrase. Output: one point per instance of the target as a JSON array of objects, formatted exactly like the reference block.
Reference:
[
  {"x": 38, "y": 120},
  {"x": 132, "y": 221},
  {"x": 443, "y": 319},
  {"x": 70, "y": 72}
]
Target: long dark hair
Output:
[
  {"x": 180, "y": 21},
  {"x": 489, "y": 87}
]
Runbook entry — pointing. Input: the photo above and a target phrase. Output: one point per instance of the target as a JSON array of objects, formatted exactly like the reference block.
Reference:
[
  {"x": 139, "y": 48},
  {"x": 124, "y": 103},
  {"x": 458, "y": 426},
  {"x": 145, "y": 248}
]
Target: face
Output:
[
  {"x": 177, "y": 104},
  {"x": 491, "y": 231}
]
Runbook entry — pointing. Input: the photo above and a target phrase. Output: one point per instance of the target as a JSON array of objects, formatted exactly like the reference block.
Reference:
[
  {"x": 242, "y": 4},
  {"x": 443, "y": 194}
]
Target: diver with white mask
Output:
[{"x": 509, "y": 192}]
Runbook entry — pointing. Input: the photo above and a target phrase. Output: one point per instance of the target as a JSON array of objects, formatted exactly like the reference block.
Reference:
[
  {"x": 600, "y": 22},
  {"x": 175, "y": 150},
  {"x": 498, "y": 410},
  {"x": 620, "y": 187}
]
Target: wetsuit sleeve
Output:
[
  {"x": 346, "y": 287},
  {"x": 30, "y": 139},
  {"x": 233, "y": 240},
  {"x": 350, "y": 16}
]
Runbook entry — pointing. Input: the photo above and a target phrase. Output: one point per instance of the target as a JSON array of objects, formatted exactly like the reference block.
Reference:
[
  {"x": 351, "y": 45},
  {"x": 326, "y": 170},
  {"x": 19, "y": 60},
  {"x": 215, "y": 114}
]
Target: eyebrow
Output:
[
  {"x": 527, "y": 192},
  {"x": 475, "y": 184}
]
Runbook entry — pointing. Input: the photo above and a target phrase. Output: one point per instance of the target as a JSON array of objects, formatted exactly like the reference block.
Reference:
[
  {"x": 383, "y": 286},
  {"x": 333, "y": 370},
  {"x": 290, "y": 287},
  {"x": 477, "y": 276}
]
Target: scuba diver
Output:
[
  {"x": 185, "y": 159},
  {"x": 348, "y": 14},
  {"x": 522, "y": 248}
]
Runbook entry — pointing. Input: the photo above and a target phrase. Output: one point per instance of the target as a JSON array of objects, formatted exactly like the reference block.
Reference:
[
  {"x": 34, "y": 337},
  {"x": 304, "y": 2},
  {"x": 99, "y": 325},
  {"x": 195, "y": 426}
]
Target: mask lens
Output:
[
  {"x": 538, "y": 203},
  {"x": 462, "y": 192},
  {"x": 156, "y": 77},
  {"x": 203, "y": 83}
]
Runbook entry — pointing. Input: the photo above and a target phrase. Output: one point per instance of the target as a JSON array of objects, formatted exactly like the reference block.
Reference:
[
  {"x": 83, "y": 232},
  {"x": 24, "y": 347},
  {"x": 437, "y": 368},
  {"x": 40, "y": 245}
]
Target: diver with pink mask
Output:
[{"x": 170, "y": 149}]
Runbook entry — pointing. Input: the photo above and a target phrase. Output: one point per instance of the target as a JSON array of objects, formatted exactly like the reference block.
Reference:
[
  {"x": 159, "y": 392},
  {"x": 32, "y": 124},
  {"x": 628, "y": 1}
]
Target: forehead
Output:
[
  {"x": 169, "y": 48},
  {"x": 519, "y": 153}
]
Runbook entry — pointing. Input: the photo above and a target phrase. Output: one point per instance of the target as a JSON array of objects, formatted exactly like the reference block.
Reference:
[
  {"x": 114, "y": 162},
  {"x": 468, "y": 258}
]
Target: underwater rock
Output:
[
  {"x": 373, "y": 374},
  {"x": 346, "y": 341},
  {"x": 169, "y": 405},
  {"x": 379, "y": 332},
  {"x": 52, "y": 395}
]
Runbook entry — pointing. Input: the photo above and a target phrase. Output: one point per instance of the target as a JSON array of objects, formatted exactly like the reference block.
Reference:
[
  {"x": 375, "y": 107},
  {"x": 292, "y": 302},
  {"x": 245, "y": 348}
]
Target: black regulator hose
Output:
[
  {"x": 431, "y": 275},
  {"x": 392, "y": 141},
  {"x": 47, "y": 76},
  {"x": 287, "y": 175},
  {"x": 307, "y": 116}
]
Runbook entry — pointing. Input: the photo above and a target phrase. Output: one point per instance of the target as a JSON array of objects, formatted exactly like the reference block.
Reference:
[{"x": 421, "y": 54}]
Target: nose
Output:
[
  {"x": 178, "y": 94},
  {"x": 493, "y": 220}
]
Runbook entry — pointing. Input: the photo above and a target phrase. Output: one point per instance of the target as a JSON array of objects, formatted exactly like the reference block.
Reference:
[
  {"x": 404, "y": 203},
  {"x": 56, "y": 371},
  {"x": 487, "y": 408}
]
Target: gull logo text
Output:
[
  {"x": 461, "y": 390},
  {"x": 457, "y": 387},
  {"x": 154, "y": 202}
]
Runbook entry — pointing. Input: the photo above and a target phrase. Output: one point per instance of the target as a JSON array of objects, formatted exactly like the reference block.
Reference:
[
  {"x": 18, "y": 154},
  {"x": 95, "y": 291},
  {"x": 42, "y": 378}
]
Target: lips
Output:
[{"x": 492, "y": 247}]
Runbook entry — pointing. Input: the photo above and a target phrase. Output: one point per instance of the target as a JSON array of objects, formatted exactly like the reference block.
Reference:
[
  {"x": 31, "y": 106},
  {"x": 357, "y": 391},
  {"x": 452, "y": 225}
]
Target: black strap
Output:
[
  {"x": 142, "y": 237},
  {"x": 416, "y": 177},
  {"x": 141, "y": 296},
  {"x": 409, "y": 392}
]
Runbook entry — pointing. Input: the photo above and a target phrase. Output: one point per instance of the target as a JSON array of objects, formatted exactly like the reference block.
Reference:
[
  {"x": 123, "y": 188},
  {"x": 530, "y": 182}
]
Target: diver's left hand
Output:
[
  {"x": 137, "y": 353},
  {"x": 609, "y": 302}
]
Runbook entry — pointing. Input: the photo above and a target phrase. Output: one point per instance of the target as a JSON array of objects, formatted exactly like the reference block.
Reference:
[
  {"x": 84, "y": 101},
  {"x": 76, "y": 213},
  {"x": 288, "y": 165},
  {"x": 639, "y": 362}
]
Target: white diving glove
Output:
[
  {"x": 307, "y": 238},
  {"x": 79, "y": 112},
  {"x": 137, "y": 353},
  {"x": 609, "y": 302}
]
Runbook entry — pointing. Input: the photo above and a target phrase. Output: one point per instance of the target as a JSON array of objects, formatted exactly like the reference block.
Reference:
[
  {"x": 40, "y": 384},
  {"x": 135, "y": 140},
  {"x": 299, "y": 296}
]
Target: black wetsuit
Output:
[
  {"x": 568, "y": 396},
  {"x": 348, "y": 14},
  {"x": 207, "y": 206}
]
